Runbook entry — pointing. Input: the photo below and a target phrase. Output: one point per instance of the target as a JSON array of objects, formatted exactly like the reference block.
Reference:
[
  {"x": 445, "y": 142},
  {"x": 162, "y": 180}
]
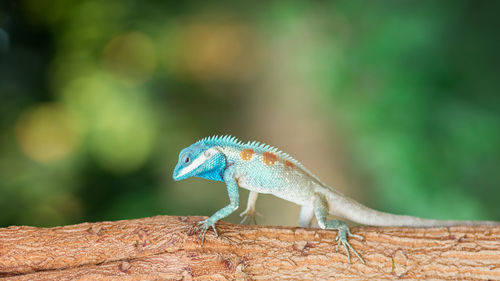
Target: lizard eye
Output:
[{"x": 186, "y": 159}]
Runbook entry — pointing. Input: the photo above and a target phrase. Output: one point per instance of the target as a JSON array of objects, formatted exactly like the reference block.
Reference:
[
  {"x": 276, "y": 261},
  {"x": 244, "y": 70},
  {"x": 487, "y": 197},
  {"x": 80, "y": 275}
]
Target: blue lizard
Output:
[{"x": 261, "y": 168}]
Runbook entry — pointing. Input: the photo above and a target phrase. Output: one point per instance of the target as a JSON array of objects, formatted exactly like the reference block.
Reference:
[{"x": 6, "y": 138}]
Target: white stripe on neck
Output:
[{"x": 202, "y": 158}]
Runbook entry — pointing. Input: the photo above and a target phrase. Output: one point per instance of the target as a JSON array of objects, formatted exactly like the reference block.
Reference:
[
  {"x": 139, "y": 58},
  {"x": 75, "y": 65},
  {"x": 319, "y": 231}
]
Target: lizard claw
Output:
[
  {"x": 249, "y": 216},
  {"x": 357, "y": 236},
  {"x": 343, "y": 233},
  {"x": 203, "y": 226},
  {"x": 342, "y": 239}
]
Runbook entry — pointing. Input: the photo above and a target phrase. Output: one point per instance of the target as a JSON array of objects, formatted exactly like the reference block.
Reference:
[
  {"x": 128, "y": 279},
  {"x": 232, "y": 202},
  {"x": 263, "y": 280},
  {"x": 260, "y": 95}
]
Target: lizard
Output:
[{"x": 262, "y": 168}]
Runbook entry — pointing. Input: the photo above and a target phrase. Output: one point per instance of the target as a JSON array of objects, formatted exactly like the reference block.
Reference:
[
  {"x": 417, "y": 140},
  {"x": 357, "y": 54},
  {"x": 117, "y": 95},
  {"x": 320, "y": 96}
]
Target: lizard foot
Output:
[
  {"x": 203, "y": 227},
  {"x": 342, "y": 239},
  {"x": 249, "y": 216}
]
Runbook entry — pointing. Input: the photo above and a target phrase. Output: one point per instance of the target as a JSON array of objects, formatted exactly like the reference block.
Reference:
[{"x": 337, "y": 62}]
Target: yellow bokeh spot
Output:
[
  {"x": 130, "y": 56},
  {"x": 209, "y": 51},
  {"x": 47, "y": 133},
  {"x": 120, "y": 124}
]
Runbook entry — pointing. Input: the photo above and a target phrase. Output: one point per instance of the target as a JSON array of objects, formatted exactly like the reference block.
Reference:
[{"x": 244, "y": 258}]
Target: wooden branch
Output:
[{"x": 164, "y": 248}]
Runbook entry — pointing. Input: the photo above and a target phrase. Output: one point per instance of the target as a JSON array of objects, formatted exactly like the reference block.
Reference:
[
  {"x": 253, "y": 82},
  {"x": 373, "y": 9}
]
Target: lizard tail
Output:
[{"x": 348, "y": 208}]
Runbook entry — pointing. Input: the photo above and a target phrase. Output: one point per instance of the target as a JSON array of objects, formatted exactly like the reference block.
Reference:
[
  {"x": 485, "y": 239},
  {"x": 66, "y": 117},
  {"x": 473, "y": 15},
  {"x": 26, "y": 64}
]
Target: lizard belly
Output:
[
  {"x": 284, "y": 191},
  {"x": 243, "y": 182}
]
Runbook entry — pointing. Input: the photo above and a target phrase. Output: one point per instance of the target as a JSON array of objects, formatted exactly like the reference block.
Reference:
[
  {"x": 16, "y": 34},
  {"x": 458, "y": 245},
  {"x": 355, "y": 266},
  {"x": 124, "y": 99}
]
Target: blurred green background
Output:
[{"x": 395, "y": 103}]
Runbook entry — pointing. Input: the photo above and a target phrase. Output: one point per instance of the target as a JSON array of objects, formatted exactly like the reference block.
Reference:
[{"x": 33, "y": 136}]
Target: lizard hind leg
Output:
[
  {"x": 305, "y": 216},
  {"x": 250, "y": 212},
  {"x": 321, "y": 212}
]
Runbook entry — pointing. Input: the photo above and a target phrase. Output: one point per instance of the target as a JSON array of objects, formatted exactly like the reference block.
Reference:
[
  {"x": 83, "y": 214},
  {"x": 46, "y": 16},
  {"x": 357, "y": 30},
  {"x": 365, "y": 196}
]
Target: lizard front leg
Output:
[
  {"x": 232, "y": 191},
  {"x": 321, "y": 212},
  {"x": 249, "y": 213}
]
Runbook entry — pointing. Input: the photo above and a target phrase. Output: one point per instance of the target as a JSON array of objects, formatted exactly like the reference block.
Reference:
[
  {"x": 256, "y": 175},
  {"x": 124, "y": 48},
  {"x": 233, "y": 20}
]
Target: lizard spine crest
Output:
[{"x": 228, "y": 140}]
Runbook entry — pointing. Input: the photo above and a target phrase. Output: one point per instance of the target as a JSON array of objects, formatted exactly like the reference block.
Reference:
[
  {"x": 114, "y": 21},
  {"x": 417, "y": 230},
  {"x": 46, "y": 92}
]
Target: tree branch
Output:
[{"x": 165, "y": 248}]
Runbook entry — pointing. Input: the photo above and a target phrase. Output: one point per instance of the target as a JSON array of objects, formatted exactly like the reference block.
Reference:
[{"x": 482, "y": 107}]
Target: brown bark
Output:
[{"x": 164, "y": 248}]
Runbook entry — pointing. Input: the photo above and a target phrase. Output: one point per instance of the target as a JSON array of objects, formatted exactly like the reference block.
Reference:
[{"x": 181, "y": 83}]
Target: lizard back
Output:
[{"x": 266, "y": 169}]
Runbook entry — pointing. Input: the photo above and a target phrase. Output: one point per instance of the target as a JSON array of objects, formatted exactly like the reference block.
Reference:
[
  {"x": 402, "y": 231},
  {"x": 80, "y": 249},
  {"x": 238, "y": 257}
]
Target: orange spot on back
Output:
[
  {"x": 289, "y": 164},
  {"x": 269, "y": 158},
  {"x": 246, "y": 154}
]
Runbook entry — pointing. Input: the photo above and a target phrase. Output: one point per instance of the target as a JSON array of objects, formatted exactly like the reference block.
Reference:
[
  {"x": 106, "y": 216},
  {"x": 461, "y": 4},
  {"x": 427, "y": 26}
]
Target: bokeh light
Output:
[
  {"x": 119, "y": 121},
  {"x": 209, "y": 50},
  {"x": 48, "y": 132},
  {"x": 130, "y": 56}
]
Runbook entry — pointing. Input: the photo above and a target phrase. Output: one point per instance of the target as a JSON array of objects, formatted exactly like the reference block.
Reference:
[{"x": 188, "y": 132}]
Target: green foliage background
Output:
[{"x": 98, "y": 97}]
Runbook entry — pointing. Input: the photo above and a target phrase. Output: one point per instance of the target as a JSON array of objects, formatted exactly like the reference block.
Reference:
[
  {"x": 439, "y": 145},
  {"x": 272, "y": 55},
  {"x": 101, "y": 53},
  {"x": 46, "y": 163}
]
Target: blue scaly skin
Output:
[{"x": 264, "y": 169}]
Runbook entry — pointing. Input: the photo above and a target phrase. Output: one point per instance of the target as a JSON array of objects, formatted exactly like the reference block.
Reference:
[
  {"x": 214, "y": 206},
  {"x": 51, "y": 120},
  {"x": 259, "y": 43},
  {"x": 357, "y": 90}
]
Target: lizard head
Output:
[{"x": 200, "y": 160}]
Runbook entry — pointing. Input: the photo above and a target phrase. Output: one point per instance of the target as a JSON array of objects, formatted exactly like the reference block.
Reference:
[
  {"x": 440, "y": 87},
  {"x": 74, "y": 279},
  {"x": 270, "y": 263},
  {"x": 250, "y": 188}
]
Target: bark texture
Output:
[{"x": 165, "y": 248}]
